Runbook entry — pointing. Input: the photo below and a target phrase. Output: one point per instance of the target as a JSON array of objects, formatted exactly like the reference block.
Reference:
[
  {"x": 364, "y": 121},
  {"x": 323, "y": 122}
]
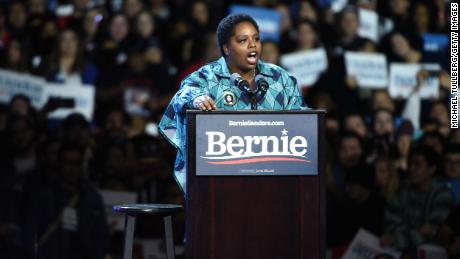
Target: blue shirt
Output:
[{"x": 213, "y": 80}]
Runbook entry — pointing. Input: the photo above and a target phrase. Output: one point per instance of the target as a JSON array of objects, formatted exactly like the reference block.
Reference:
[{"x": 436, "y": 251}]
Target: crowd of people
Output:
[{"x": 393, "y": 165}]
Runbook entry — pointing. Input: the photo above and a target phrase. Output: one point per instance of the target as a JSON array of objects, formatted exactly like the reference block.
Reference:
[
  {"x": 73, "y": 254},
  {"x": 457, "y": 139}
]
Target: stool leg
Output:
[
  {"x": 130, "y": 224},
  {"x": 169, "y": 237}
]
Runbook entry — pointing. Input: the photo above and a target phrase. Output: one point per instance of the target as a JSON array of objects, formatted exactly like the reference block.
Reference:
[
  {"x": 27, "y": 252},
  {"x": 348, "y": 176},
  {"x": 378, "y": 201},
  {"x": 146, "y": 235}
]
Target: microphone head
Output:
[
  {"x": 242, "y": 84},
  {"x": 234, "y": 78},
  {"x": 259, "y": 77},
  {"x": 261, "y": 82}
]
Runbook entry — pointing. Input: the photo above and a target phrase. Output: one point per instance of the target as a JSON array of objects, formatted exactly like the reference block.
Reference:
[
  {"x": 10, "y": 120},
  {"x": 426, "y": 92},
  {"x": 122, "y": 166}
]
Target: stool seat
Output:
[{"x": 134, "y": 209}]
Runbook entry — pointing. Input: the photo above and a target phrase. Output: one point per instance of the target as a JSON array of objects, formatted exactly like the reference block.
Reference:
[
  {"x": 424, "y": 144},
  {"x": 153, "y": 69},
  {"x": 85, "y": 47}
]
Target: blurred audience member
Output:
[
  {"x": 132, "y": 8},
  {"x": 93, "y": 24},
  {"x": 68, "y": 65},
  {"x": 348, "y": 38},
  {"x": 449, "y": 233},
  {"x": 404, "y": 136},
  {"x": 17, "y": 21},
  {"x": 387, "y": 179},
  {"x": 452, "y": 169},
  {"x": 136, "y": 52},
  {"x": 433, "y": 140},
  {"x": 67, "y": 220},
  {"x": 16, "y": 57},
  {"x": 415, "y": 214},
  {"x": 354, "y": 122},
  {"x": 307, "y": 35},
  {"x": 19, "y": 180},
  {"x": 270, "y": 52}
]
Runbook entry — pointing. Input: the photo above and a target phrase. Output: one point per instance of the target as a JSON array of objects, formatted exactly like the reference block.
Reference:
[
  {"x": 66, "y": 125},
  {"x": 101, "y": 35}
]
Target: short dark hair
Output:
[
  {"x": 226, "y": 28},
  {"x": 430, "y": 155},
  {"x": 74, "y": 120}
]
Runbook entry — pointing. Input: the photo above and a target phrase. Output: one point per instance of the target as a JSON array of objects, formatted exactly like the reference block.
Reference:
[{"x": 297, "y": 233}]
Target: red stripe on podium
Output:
[{"x": 259, "y": 160}]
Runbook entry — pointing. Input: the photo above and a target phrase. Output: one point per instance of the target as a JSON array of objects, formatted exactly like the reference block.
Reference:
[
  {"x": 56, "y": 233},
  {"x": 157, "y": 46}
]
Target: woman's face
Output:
[
  {"x": 200, "y": 13},
  {"x": 119, "y": 28},
  {"x": 270, "y": 53},
  {"x": 307, "y": 11},
  {"x": 145, "y": 25},
  {"x": 350, "y": 152},
  {"x": 349, "y": 24},
  {"x": 132, "y": 7},
  {"x": 356, "y": 124},
  {"x": 14, "y": 52},
  {"x": 400, "y": 45},
  {"x": 68, "y": 43},
  {"x": 20, "y": 106},
  {"x": 37, "y": 7},
  {"x": 306, "y": 36},
  {"x": 382, "y": 99},
  {"x": 18, "y": 15},
  {"x": 244, "y": 48},
  {"x": 383, "y": 123},
  {"x": 421, "y": 16},
  {"x": 452, "y": 165},
  {"x": 399, "y": 7}
]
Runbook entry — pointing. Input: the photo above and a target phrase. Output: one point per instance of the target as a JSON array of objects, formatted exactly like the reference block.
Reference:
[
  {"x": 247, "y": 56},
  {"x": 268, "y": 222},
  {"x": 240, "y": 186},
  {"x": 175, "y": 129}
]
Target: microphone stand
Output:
[{"x": 253, "y": 101}]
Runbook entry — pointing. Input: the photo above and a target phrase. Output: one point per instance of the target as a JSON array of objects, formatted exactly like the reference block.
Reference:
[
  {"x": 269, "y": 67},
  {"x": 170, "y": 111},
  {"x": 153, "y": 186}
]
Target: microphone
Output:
[
  {"x": 242, "y": 84},
  {"x": 262, "y": 84},
  {"x": 262, "y": 87}
]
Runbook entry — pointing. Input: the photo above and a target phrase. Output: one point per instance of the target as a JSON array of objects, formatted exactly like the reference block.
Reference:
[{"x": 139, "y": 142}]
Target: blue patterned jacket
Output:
[{"x": 213, "y": 80}]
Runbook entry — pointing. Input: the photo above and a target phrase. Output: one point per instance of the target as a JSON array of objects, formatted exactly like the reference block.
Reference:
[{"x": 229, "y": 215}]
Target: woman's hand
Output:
[{"x": 204, "y": 103}]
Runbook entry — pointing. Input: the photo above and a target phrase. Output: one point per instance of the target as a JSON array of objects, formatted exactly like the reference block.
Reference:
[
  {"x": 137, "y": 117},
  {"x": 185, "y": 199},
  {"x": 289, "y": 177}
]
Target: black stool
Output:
[{"x": 132, "y": 210}]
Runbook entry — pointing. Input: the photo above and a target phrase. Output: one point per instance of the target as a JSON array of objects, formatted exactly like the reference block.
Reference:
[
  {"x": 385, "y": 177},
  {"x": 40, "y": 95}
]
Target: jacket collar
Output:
[{"x": 220, "y": 68}]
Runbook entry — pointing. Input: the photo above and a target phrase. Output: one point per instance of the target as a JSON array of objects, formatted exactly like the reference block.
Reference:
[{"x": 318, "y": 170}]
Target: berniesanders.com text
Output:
[{"x": 255, "y": 123}]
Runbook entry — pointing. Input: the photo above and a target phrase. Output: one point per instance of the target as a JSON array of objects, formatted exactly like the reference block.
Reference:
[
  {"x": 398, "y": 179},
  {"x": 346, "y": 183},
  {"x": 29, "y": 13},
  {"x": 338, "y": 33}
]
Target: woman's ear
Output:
[{"x": 225, "y": 48}]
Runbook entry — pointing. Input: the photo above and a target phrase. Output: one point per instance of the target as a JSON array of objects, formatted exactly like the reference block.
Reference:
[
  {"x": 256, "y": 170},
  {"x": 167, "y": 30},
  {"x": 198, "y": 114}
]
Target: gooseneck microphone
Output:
[
  {"x": 262, "y": 84},
  {"x": 262, "y": 87},
  {"x": 258, "y": 94},
  {"x": 242, "y": 84}
]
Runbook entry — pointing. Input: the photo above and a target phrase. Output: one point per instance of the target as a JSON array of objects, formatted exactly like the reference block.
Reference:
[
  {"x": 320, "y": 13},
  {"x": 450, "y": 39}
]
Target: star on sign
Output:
[{"x": 284, "y": 132}]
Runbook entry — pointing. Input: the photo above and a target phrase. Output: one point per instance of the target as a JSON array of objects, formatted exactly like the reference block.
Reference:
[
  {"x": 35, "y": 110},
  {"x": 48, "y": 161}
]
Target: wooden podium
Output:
[{"x": 255, "y": 216}]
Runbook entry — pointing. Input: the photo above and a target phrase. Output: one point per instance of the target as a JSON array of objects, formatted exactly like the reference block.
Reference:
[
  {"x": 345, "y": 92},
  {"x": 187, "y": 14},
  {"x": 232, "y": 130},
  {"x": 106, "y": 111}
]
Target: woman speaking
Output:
[{"x": 236, "y": 81}]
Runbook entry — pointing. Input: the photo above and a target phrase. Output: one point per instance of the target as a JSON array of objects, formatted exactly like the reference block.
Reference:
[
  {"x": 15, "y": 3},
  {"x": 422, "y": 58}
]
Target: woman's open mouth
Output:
[{"x": 252, "y": 58}]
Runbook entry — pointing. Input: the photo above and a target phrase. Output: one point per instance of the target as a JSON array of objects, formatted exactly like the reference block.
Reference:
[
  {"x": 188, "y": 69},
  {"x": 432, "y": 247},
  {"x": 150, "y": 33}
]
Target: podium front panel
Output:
[{"x": 255, "y": 216}]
